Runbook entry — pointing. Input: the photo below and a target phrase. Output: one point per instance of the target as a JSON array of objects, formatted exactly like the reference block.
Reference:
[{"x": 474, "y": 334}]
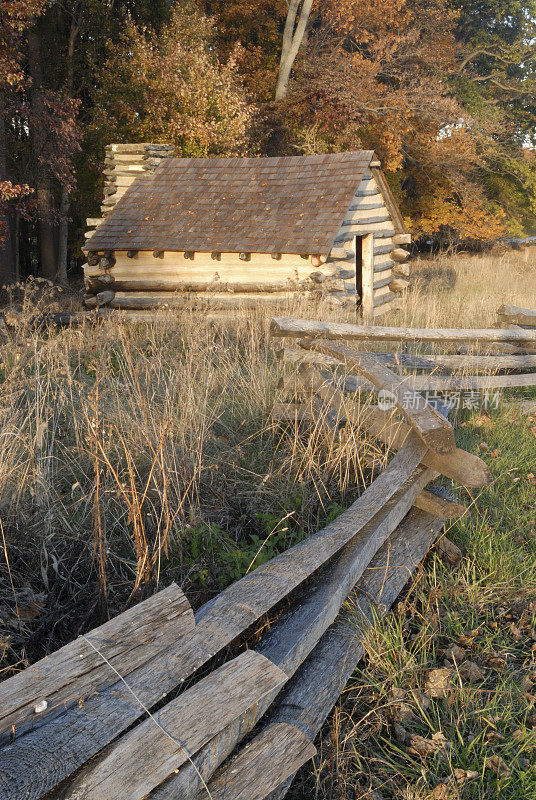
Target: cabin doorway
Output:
[
  {"x": 359, "y": 271},
  {"x": 364, "y": 276}
]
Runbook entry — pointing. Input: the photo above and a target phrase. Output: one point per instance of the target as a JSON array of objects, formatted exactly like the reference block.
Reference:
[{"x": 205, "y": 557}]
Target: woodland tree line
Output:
[{"x": 444, "y": 92}]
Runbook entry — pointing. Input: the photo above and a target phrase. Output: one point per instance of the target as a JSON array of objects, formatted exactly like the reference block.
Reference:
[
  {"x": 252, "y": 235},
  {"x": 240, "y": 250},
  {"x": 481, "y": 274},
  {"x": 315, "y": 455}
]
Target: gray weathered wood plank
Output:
[
  {"x": 350, "y": 384},
  {"x": 514, "y": 315},
  {"x": 311, "y": 694},
  {"x": 81, "y": 732},
  {"x": 436, "y": 362},
  {"x": 298, "y": 328},
  {"x": 432, "y": 427},
  {"x": 293, "y": 636},
  {"x": 288, "y": 642},
  {"x": 461, "y": 466},
  {"x": 454, "y": 383},
  {"x": 261, "y": 765},
  {"x": 439, "y": 506},
  {"x": 130, "y": 768},
  {"x": 70, "y": 675}
]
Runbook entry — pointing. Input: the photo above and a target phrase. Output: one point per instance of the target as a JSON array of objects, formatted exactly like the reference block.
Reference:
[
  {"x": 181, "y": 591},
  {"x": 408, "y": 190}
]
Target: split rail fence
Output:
[
  {"x": 162, "y": 702},
  {"x": 475, "y": 360}
]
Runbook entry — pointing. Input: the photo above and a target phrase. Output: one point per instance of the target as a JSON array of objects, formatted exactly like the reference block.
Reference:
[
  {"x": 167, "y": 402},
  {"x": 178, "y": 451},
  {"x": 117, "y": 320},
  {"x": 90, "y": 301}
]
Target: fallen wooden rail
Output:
[
  {"x": 71, "y": 724},
  {"x": 513, "y": 315},
  {"x": 309, "y": 697},
  {"x": 431, "y": 362}
]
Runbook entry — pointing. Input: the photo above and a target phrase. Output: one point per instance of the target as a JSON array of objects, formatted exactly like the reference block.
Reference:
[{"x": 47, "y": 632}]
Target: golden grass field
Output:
[
  {"x": 465, "y": 291},
  {"x": 134, "y": 455}
]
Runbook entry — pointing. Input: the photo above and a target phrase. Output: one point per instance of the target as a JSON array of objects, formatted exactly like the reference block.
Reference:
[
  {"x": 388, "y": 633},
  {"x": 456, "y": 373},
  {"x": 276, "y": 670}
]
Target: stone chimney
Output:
[{"x": 122, "y": 165}]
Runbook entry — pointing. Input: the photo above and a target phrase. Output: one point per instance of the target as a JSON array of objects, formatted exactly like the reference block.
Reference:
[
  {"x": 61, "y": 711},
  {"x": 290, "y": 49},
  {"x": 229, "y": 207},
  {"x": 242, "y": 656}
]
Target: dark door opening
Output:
[{"x": 359, "y": 270}]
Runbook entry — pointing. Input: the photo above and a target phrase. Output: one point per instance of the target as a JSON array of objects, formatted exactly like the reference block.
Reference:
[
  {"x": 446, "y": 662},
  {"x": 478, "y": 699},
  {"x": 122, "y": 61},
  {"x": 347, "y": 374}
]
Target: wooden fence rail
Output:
[
  {"x": 299, "y": 328},
  {"x": 319, "y": 345},
  {"x": 72, "y": 724}
]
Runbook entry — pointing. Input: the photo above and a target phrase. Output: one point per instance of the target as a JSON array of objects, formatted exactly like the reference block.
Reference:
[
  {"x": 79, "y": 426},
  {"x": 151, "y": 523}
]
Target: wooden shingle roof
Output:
[{"x": 285, "y": 205}]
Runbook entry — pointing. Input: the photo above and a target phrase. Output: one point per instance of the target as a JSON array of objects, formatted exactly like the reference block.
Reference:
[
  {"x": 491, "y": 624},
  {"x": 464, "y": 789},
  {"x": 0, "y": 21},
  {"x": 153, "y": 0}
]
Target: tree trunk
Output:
[
  {"x": 16, "y": 248},
  {"x": 65, "y": 203},
  {"x": 7, "y": 271},
  {"x": 292, "y": 39},
  {"x": 61, "y": 272},
  {"x": 43, "y": 182}
]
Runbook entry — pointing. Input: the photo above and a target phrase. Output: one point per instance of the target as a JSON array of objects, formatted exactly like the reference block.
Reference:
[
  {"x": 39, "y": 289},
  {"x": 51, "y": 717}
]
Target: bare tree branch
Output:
[{"x": 292, "y": 39}]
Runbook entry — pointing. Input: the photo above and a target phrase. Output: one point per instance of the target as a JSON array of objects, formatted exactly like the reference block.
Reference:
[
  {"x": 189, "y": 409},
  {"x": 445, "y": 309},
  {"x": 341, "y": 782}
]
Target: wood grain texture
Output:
[
  {"x": 159, "y": 286},
  {"x": 294, "y": 635},
  {"x": 138, "y": 301},
  {"x": 398, "y": 285},
  {"x": 399, "y": 254},
  {"x": 431, "y": 362},
  {"x": 433, "y": 383},
  {"x": 402, "y": 238},
  {"x": 431, "y": 426},
  {"x": 81, "y": 732},
  {"x": 259, "y": 767},
  {"x": 297, "y": 328},
  {"x": 70, "y": 675},
  {"x": 145, "y": 756},
  {"x": 176, "y": 259},
  {"x": 286, "y": 571},
  {"x": 292, "y": 638},
  {"x": 401, "y": 270},
  {"x": 383, "y": 266},
  {"x": 186, "y": 783},
  {"x": 464, "y": 467},
  {"x": 384, "y": 301},
  {"x": 381, "y": 291},
  {"x": 383, "y": 279},
  {"x": 313, "y": 691},
  {"x": 367, "y": 278},
  {"x": 383, "y": 247},
  {"x": 367, "y": 215},
  {"x": 439, "y": 507}
]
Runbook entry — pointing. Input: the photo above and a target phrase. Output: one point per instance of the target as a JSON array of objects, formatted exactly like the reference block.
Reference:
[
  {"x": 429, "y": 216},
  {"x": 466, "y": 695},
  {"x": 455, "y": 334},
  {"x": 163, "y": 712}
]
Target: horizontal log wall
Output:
[
  {"x": 148, "y": 300},
  {"x": 202, "y": 267},
  {"x": 370, "y": 213},
  {"x": 145, "y": 281}
]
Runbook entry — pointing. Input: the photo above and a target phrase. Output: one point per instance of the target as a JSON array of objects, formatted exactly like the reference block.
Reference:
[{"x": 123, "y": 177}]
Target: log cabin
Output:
[{"x": 222, "y": 232}]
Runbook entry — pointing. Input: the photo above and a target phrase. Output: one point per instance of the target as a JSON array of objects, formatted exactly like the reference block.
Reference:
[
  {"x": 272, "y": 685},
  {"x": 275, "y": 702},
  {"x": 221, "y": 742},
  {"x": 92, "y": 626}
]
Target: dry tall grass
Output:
[
  {"x": 466, "y": 291},
  {"x": 132, "y": 455}
]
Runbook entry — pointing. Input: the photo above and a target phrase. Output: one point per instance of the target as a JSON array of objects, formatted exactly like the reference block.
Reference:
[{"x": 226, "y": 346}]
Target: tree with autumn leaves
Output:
[
  {"x": 169, "y": 86},
  {"x": 444, "y": 92}
]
